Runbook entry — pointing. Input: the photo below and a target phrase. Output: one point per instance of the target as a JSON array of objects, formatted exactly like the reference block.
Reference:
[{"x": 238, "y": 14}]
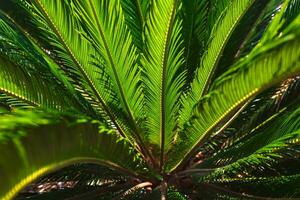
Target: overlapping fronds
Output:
[
  {"x": 285, "y": 186},
  {"x": 102, "y": 20},
  {"x": 219, "y": 37},
  {"x": 195, "y": 16},
  {"x": 80, "y": 181},
  {"x": 277, "y": 125},
  {"x": 244, "y": 81},
  {"x": 60, "y": 38},
  {"x": 247, "y": 27},
  {"x": 29, "y": 79},
  {"x": 283, "y": 147},
  {"x": 38, "y": 141},
  {"x": 270, "y": 107},
  {"x": 171, "y": 98}
]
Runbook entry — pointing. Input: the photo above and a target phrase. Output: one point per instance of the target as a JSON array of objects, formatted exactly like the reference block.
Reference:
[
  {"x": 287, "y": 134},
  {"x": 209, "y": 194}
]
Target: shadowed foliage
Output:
[{"x": 149, "y": 99}]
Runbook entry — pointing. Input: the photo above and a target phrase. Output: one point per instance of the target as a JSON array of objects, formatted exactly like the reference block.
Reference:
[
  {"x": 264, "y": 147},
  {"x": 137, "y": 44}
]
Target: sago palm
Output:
[{"x": 149, "y": 99}]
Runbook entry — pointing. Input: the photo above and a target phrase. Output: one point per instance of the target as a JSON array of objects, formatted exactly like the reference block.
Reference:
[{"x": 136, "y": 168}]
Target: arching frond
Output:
[
  {"x": 283, "y": 147},
  {"x": 227, "y": 23},
  {"x": 230, "y": 93},
  {"x": 20, "y": 62},
  {"x": 277, "y": 125},
  {"x": 44, "y": 142},
  {"x": 285, "y": 186},
  {"x": 174, "y": 99},
  {"x": 101, "y": 19},
  {"x": 247, "y": 27},
  {"x": 61, "y": 37}
]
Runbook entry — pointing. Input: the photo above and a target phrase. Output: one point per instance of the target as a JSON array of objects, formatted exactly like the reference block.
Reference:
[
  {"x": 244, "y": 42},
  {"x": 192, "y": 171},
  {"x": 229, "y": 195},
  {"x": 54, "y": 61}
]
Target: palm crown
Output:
[{"x": 170, "y": 98}]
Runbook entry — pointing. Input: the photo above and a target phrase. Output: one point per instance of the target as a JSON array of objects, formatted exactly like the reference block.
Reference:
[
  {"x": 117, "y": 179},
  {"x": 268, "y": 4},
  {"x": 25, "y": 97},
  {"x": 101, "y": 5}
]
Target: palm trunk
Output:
[{"x": 163, "y": 190}]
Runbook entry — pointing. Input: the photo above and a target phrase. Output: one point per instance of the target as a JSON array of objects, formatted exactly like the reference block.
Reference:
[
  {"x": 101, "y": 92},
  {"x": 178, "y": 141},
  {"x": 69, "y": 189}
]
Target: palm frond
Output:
[
  {"x": 223, "y": 29},
  {"x": 162, "y": 78},
  {"x": 284, "y": 147},
  {"x": 217, "y": 9},
  {"x": 34, "y": 139},
  {"x": 277, "y": 102},
  {"x": 230, "y": 93},
  {"x": 149, "y": 99},
  {"x": 241, "y": 35},
  {"x": 57, "y": 46},
  {"x": 9, "y": 103},
  {"x": 61, "y": 37},
  {"x": 19, "y": 63},
  {"x": 195, "y": 16},
  {"x": 117, "y": 51},
  {"x": 255, "y": 35},
  {"x": 292, "y": 11},
  {"x": 79, "y": 181},
  {"x": 101, "y": 20},
  {"x": 260, "y": 134},
  {"x": 135, "y": 14},
  {"x": 276, "y": 186}
]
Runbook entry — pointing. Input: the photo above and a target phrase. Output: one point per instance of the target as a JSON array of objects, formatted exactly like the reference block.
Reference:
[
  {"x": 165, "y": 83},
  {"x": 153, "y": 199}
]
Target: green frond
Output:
[
  {"x": 43, "y": 142},
  {"x": 19, "y": 63},
  {"x": 223, "y": 29},
  {"x": 101, "y": 19},
  {"x": 243, "y": 33},
  {"x": 62, "y": 37},
  {"x": 258, "y": 30},
  {"x": 163, "y": 80},
  {"x": 292, "y": 11},
  {"x": 257, "y": 112},
  {"x": 135, "y": 14},
  {"x": 277, "y": 125},
  {"x": 10, "y": 102},
  {"x": 234, "y": 90},
  {"x": 35, "y": 53},
  {"x": 283, "y": 147},
  {"x": 81, "y": 181},
  {"x": 149, "y": 99},
  {"x": 278, "y": 186},
  {"x": 195, "y": 16},
  {"x": 145, "y": 6},
  {"x": 265, "y": 145},
  {"x": 216, "y": 11}
]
